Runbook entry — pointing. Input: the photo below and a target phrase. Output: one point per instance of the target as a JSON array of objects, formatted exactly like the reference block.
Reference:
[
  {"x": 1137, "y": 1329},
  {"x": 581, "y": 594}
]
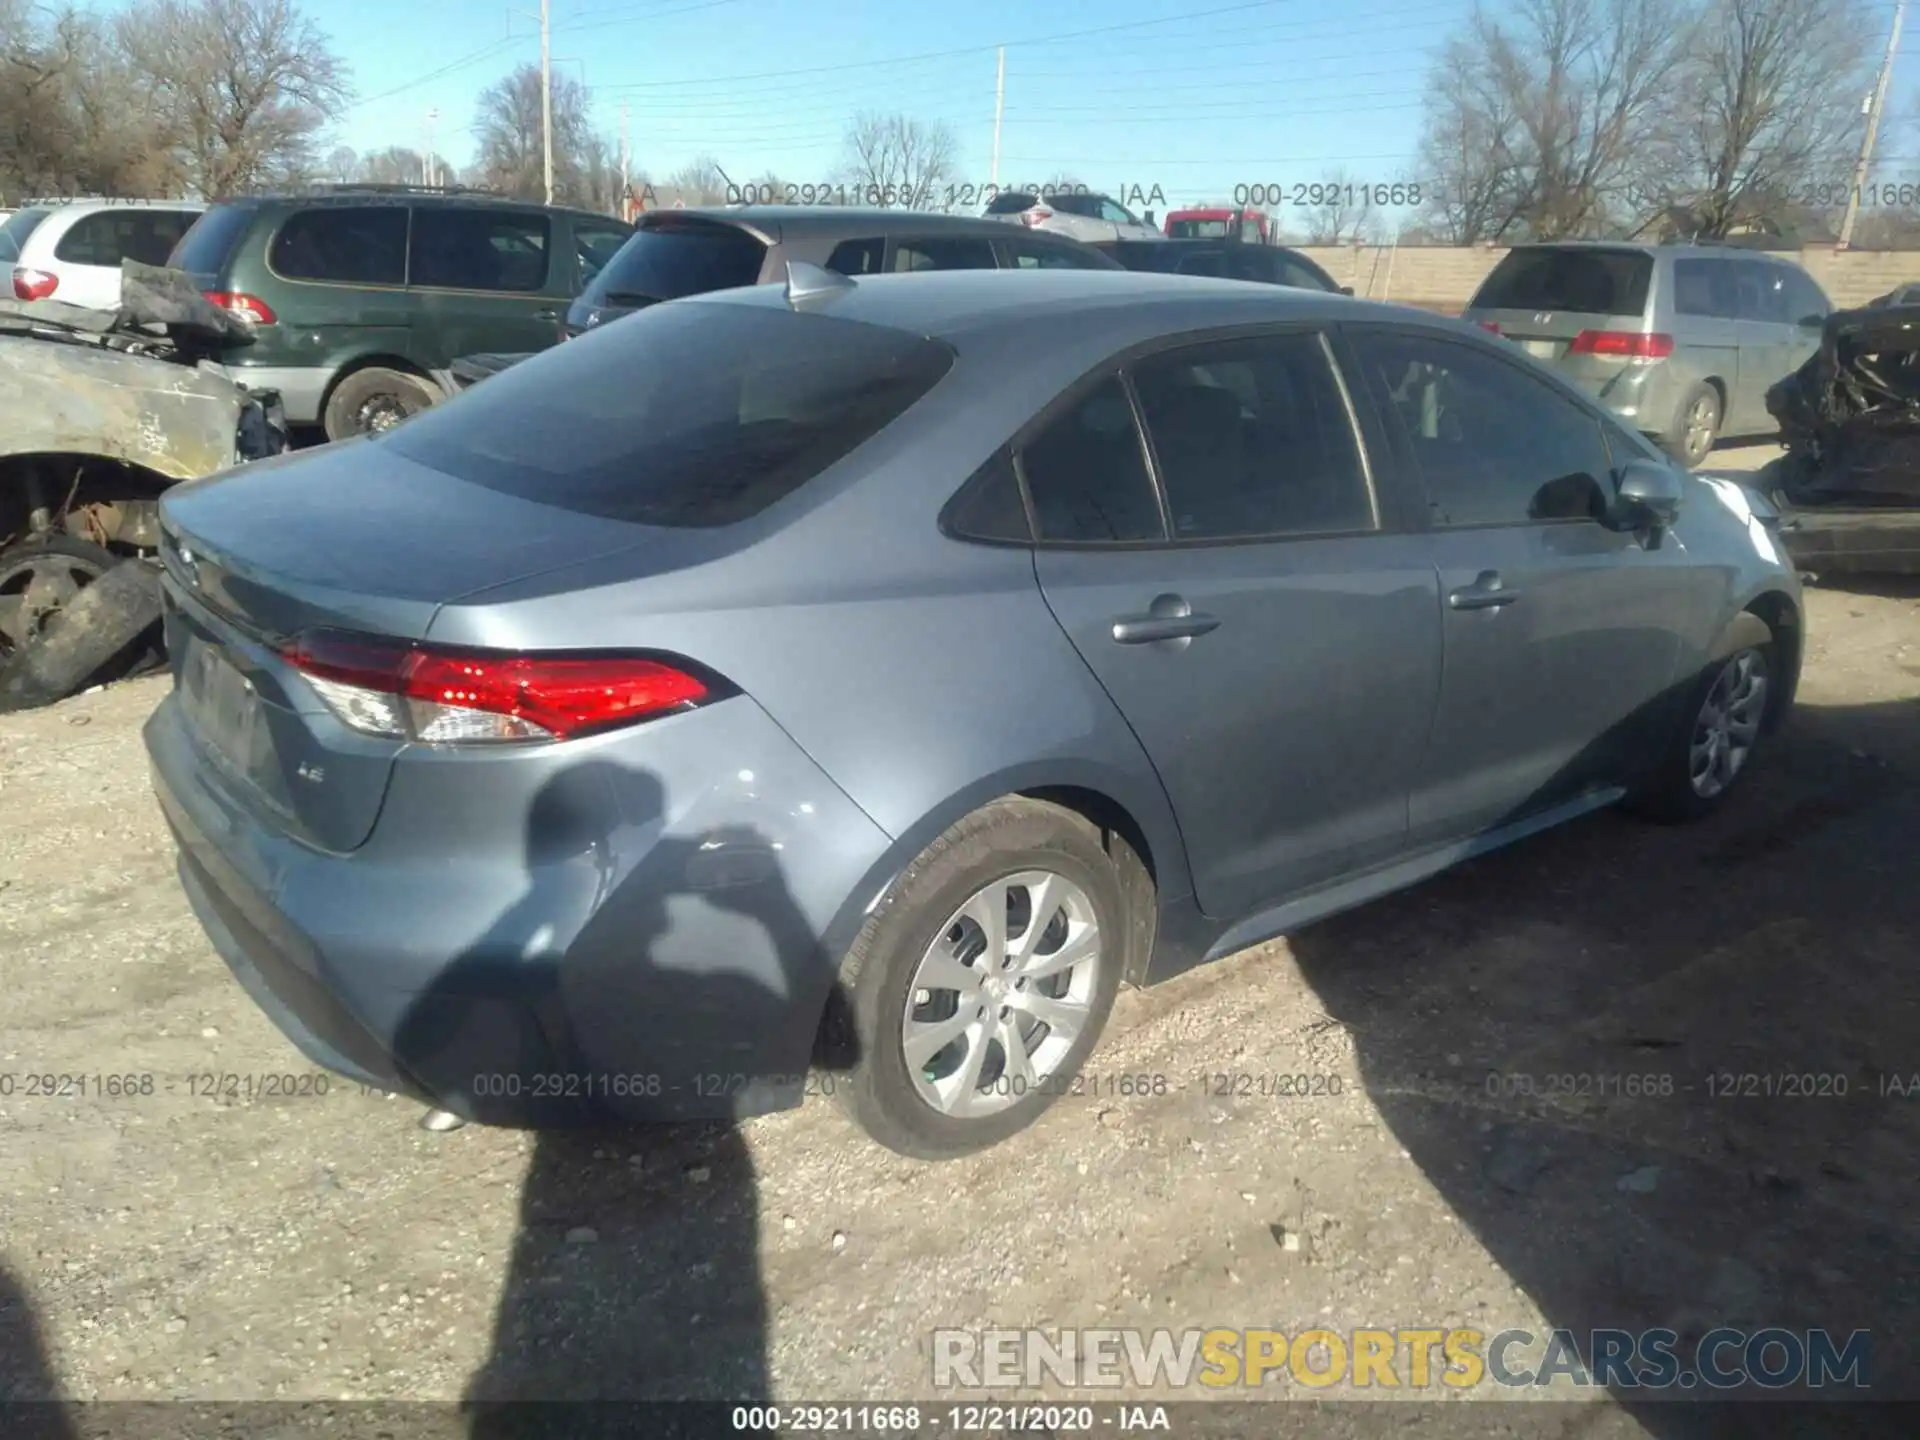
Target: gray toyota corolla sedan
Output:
[{"x": 847, "y": 687}]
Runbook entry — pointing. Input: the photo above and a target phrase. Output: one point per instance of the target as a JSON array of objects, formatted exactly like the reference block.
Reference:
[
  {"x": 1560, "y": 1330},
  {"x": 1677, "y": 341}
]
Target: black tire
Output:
[
  {"x": 1684, "y": 441},
  {"x": 1669, "y": 794},
  {"x": 82, "y": 561},
  {"x": 374, "y": 399},
  {"x": 998, "y": 840},
  {"x": 101, "y": 635}
]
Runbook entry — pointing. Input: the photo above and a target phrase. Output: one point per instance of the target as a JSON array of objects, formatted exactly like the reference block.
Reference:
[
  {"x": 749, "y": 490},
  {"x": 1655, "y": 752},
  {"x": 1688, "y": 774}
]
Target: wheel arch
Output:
[
  {"x": 376, "y": 360},
  {"x": 1782, "y": 616}
]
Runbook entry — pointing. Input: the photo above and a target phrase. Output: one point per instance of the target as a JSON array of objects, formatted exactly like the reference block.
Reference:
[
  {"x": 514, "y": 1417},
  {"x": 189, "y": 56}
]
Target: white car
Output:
[
  {"x": 72, "y": 250},
  {"x": 1092, "y": 218}
]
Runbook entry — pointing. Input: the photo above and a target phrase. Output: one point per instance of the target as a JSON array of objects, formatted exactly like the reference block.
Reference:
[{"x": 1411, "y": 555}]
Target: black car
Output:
[
  {"x": 1225, "y": 260},
  {"x": 676, "y": 253}
]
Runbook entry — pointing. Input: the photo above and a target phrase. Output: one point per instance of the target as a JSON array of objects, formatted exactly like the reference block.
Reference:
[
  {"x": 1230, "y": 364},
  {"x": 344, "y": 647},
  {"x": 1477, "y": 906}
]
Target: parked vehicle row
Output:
[
  {"x": 878, "y": 671},
  {"x": 71, "y": 250}
]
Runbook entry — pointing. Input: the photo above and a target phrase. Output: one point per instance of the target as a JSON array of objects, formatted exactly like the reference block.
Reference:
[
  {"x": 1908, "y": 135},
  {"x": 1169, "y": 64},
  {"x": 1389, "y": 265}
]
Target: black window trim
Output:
[
  {"x": 1410, "y": 460},
  {"x": 371, "y": 203},
  {"x": 190, "y": 216},
  {"x": 1388, "y": 519},
  {"x": 988, "y": 471}
]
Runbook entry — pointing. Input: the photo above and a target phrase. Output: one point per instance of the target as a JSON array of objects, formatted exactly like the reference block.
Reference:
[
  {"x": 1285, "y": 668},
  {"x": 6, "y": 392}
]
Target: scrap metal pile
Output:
[{"x": 1850, "y": 416}]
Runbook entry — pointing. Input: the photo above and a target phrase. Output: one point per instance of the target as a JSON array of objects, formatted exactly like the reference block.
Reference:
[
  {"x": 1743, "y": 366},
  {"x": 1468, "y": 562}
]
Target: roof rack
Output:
[{"x": 368, "y": 187}]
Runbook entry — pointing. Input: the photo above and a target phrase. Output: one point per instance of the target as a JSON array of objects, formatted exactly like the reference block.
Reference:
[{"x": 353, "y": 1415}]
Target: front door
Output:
[
  {"x": 485, "y": 279},
  {"x": 1560, "y": 634},
  {"x": 1273, "y": 644}
]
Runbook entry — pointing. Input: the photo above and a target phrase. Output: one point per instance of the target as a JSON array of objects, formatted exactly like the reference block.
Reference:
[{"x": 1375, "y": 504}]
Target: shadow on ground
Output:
[
  {"x": 1499, "y": 1011},
  {"x": 635, "y": 1272}
]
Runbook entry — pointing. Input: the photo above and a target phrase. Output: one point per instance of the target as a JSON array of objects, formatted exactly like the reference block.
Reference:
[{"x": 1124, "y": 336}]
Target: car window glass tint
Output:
[
  {"x": 106, "y": 237},
  {"x": 594, "y": 245},
  {"x": 14, "y": 233},
  {"x": 1494, "y": 445},
  {"x": 945, "y": 253},
  {"x": 1252, "y": 438},
  {"x": 462, "y": 248},
  {"x": 680, "y": 415},
  {"x": 1010, "y": 202},
  {"x": 1805, "y": 299},
  {"x": 1583, "y": 281},
  {"x": 1302, "y": 277},
  {"x": 348, "y": 244},
  {"x": 1763, "y": 293},
  {"x": 858, "y": 257},
  {"x": 1115, "y": 213},
  {"x": 675, "y": 258},
  {"x": 1205, "y": 262},
  {"x": 1086, "y": 475},
  {"x": 210, "y": 240},
  {"x": 1085, "y": 206},
  {"x": 1027, "y": 255}
]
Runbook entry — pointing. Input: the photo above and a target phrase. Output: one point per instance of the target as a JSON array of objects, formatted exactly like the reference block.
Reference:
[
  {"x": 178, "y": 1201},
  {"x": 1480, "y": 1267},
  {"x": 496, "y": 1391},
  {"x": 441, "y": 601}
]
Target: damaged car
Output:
[
  {"x": 100, "y": 412},
  {"x": 1848, "y": 488}
]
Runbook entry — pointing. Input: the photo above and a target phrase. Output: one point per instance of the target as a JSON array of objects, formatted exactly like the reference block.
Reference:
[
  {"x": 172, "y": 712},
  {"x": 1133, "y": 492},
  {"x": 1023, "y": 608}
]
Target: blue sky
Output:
[{"x": 1186, "y": 98}]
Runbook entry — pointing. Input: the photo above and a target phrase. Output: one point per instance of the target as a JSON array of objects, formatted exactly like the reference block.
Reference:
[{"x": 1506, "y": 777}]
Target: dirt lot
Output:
[{"x": 173, "y": 1244}]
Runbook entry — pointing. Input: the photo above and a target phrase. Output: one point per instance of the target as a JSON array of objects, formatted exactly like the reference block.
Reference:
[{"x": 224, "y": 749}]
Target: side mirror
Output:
[
  {"x": 1149, "y": 217},
  {"x": 1647, "y": 498}
]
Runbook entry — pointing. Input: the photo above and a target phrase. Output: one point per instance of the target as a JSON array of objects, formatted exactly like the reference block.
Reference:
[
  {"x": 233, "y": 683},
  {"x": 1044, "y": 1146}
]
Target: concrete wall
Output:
[{"x": 1443, "y": 278}]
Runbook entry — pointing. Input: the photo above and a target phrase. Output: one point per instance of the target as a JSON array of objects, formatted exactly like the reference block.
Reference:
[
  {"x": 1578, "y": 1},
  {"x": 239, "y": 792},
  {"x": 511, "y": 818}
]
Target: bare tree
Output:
[
  {"x": 1339, "y": 209},
  {"x": 395, "y": 165},
  {"x": 1769, "y": 105},
  {"x": 700, "y": 183},
  {"x": 895, "y": 160},
  {"x": 511, "y": 153},
  {"x": 1541, "y": 117},
  {"x": 343, "y": 164},
  {"x": 243, "y": 87}
]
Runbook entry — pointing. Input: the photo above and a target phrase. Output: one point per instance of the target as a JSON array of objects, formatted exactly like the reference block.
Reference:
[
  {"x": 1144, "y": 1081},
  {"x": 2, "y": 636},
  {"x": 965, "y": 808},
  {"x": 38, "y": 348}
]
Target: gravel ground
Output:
[{"x": 176, "y": 1244}]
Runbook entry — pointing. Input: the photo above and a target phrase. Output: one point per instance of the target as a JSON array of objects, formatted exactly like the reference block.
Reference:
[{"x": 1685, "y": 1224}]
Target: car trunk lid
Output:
[{"x": 1545, "y": 298}]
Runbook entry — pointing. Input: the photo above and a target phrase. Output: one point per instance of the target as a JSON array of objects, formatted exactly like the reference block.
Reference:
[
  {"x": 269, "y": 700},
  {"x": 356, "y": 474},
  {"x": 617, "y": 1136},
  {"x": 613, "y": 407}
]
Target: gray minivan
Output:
[{"x": 1680, "y": 341}]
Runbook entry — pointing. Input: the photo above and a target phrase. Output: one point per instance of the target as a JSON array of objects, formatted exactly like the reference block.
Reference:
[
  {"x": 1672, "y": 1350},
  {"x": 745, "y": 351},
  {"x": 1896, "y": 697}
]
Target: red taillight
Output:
[
  {"x": 1035, "y": 215},
  {"x": 457, "y": 696},
  {"x": 1490, "y": 326},
  {"x": 31, "y": 284},
  {"x": 250, "y": 308},
  {"x": 1622, "y": 345}
]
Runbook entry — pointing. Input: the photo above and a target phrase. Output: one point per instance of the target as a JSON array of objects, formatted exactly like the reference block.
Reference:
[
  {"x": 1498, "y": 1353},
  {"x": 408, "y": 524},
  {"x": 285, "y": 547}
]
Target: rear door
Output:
[
  {"x": 484, "y": 279},
  {"x": 1560, "y": 634},
  {"x": 1211, "y": 540},
  {"x": 1773, "y": 342},
  {"x": 1542, "y": 297},
  {"x": 1706, "y": 327}
]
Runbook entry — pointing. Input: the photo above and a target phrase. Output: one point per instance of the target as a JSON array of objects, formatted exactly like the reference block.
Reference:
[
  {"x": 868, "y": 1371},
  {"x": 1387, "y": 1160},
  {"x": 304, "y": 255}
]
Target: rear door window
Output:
[
  {"x": 475, "y": 248},
  {"x": 681, "y": 415},
  {"x": 14, "y": 233},
  {"x": 1302, "y": 275},
  {"x": 1763, "y": 293},
  {"x": 1706, "y": 288},
  {"x": 347, "y": 244},
  {"x": 1805, "y": 299},
  {"x": 106, "y": 237},
  {"x": 1581, "y": 280},
  {"x": 676, "y": 258},
  {"x": 1086, "y": 474},
  {"x": 944, "y": 252}
]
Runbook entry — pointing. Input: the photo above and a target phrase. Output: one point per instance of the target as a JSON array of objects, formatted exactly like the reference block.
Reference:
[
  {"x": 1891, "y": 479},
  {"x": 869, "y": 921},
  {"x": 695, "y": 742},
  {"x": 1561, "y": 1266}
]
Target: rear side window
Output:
[
  {"x": 1304, "y": 276},
  {"x": 1253, "y": 439},
  {"x": 472, "y": 248},
  {"x": 1011, "y": 202},
  {"x": 1197, "y": 230},
  {"x": 106, "y": 237},
  {"x": 1086, "y": 206},
  {"x": 14, "y": 233},
  {"x": 1087, "y": 476},
  {"x": 205, "y": 248},
  {"x": 1706, "y": 288},
  {"x": 944, "y": 252},
  {"x": 1584, "y": 281},
  {"x": 349, "y": 245},
  {"x": 680, "y": 415},
  {"x": 1763, "y": 292},
  {"x": 676, "y": 259},
  {"x": 858, "y": 257},
  {"x": 1024, "y": 253},
  {"x": 1805, "y": 299}
]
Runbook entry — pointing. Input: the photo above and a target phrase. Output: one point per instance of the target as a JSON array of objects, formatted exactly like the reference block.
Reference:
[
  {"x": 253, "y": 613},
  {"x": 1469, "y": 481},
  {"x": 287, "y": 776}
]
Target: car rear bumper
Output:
[
  {"x": 301, "y": 387},
  {"x": 1867, "y": 540},
  {"x": 639, "y": 933}
]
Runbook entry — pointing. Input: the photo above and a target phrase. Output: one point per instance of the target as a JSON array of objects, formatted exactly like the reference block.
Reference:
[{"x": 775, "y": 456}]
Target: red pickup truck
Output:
[{"x": 1220, "y": 223}]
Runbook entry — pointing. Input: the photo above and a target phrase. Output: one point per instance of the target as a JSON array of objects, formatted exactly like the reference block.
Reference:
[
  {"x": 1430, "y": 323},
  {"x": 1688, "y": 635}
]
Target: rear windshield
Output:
[
  {"x": 205, "y": 248},
  {"x": 1010, "y": 202},
  {"x": 1588, "y": 282},
  {"x": 682, "y": 415},
  {"x": 675, "y": 259},
  {"x": 14, "y": 233},
  {"x": 1197, "y": 229}
]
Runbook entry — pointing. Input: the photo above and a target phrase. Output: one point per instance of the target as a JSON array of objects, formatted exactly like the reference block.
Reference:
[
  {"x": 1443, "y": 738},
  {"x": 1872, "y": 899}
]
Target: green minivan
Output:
[{"x": 361, "y": 297}]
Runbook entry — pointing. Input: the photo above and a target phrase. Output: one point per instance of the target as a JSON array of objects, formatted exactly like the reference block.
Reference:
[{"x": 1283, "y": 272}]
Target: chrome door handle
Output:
[
  {"x": 1488, "y": 592},
  {"x": 1144, "y": 629}
]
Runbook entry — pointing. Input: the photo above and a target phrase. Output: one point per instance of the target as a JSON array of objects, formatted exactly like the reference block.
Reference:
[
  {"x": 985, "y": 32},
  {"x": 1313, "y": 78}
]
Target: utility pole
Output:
[
  {"x": 623, "y": 162},
  {"x": 427, "y": 165},
  {"x": 999, "y": 104},
  {"x": 1875, "y": 108},
  {"x": 546, "y": 94}
]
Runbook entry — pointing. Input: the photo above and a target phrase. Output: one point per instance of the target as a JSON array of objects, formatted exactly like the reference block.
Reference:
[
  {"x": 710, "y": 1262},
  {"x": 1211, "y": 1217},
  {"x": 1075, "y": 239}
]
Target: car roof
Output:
[
  {"x": 85, "y": 207},
  {"x": 773, "y": 222},
  {"x": 1695, "y": 249},
  {"x": 376, "y": 195},
  {"x": 1114, "y": 308}
]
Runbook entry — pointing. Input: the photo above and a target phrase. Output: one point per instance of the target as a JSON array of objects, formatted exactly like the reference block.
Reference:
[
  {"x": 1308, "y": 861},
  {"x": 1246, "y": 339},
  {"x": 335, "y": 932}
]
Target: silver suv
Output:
[
  {"x": 1095, "y": 219},
  {"x": 1680, "y": 341}
]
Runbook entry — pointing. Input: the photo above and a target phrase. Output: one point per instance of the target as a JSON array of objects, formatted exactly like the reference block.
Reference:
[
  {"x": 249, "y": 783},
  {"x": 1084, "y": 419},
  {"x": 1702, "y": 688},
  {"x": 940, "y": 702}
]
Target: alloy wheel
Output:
[
  {"x": 35, "y": 584},
  {"x": 1002, "y": 994},
  {"x": 1728, "y": 724},
  {"x": 1700, "y": 426}
]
